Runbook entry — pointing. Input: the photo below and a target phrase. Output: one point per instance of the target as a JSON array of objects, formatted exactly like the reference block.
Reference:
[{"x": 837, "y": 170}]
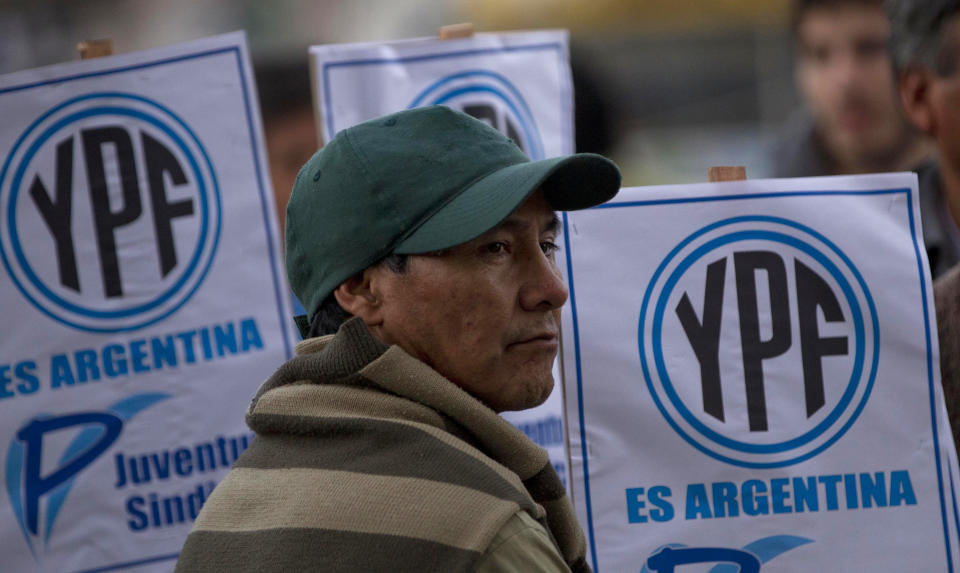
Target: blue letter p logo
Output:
[
  {"x": 666, "y": 560},
  {"x": 35, "y": 485},
  {"x": 26, "y": 485}
]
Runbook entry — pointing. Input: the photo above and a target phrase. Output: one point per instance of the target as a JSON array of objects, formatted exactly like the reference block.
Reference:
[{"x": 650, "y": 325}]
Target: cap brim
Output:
[{"x": 569, "y": 183}]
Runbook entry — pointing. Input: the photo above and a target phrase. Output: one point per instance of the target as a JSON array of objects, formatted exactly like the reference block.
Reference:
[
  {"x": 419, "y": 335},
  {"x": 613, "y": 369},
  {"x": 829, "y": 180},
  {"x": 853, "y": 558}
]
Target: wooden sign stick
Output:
[
  {"x": 95, "y": 48},
  {"x": 452, "y": 31},
  {"x": 727, "y": 173}
]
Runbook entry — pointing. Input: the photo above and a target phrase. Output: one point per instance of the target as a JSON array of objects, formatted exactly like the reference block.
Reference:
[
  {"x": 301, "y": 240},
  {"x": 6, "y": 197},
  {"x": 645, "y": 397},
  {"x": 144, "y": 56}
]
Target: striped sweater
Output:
[{"x": 366, "y": 459}]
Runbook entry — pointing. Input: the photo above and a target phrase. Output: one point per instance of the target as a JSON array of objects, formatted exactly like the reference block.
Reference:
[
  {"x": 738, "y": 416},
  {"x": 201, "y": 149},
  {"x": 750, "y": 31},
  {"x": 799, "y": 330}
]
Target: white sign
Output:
[
  {"x": 518, "y": 82},
  {"x": 143, "y": 298},
  {"x": 753, "y": 380}
]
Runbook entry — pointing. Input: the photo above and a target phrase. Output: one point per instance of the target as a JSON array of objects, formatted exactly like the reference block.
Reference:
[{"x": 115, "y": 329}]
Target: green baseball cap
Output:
[{"x": 417, "y": 181}]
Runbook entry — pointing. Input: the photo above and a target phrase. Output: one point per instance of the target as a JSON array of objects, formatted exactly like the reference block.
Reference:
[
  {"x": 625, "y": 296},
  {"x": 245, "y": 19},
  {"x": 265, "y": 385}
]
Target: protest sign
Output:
[
  {"x": 753, "y": 380},
  {"x": 518, "y": 82},
  {"x": 143, "y": 296}
]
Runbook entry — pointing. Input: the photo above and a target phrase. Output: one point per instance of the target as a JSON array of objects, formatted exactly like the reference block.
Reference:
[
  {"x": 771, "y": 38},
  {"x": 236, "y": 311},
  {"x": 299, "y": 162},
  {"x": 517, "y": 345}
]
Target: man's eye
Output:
[
  {"x": 549, "y": 248},
  {"x": 495, "y": 247},
  {"x": 817, "y": 54},
  {"x": 871, "y": 48}
]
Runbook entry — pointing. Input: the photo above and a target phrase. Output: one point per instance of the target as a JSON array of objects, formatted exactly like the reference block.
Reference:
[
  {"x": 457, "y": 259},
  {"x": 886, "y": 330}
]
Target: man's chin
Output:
[
  {"x": 538, "y": 398},
  {"x": 875, "y": 140},
  {"x": 535, "y": 393}
]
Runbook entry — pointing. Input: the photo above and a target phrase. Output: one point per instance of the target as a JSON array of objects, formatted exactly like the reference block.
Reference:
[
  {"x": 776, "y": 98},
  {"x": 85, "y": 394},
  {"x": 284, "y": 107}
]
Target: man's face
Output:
[
  {"x": 291, "y": 140},
  {"x": 844, "y": 74},
  {"x": 945, "y": 101},
  {"x": 484, "y": 314}
]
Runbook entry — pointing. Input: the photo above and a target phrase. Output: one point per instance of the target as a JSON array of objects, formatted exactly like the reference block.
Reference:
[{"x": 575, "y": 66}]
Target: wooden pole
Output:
[
  {"x": 452, "y": 31},
  {"x": 95, "y": 48},
  {"x": 727, "y": 173}
]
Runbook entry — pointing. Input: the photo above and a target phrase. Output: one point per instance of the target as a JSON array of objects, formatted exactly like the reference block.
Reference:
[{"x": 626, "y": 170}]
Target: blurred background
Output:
[{"x": 664, "y": 87}]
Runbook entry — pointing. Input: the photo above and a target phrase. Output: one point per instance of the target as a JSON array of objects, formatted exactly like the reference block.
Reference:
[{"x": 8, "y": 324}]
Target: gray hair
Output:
[{"x": 918, "y": 34}]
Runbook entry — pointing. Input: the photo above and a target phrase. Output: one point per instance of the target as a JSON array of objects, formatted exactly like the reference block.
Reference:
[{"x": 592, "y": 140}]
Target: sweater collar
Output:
[{"x": 327, "y": 358}]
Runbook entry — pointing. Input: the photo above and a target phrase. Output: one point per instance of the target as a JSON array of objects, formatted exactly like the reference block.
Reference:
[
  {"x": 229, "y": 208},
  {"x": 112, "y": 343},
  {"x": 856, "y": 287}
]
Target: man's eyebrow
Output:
[{"x": 552, "y": 226}]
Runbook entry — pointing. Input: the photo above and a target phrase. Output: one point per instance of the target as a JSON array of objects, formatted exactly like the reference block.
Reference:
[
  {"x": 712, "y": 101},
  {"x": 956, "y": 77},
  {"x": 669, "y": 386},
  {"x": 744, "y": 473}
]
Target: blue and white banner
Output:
[
  {"x": 518, "y": 82},
  {"x": 753, "y": 380},
  {"x": 143, "y": 299}
]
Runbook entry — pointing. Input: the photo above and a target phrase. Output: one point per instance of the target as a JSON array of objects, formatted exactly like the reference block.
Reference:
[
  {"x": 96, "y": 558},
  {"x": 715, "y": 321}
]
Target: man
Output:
[
  {"x": 380, "y": 448},
  {"x": 925, "y": 45},
  {"x": 852, "y": 122},
  {"x": 289, "y": 130}
]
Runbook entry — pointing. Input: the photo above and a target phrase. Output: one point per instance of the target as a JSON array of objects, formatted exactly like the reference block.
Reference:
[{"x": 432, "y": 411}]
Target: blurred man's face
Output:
[
  {"x": 291, "y": 140},
  {"x": 945, "y": 101},
  {"x": 844, "y": 74}
]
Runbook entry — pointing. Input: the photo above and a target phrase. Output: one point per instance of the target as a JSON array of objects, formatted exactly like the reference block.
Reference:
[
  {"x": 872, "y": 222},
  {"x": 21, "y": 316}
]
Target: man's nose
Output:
[
  {"x": 847, "y": 69},
  {"x": 543, "y": 288}
]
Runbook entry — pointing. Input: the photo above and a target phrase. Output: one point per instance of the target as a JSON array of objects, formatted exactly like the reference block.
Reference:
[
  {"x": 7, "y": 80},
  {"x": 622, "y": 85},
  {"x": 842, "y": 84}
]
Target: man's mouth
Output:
[
  {"x": 856, "y": 118},
  {"x": 545, "y": 339}
]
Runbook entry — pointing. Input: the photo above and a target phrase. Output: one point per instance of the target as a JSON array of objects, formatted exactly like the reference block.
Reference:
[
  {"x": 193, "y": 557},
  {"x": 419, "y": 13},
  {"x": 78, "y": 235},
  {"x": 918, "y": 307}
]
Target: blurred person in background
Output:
[
  {"x": 851, "y": 121},
  {"x": 925, "y": 47},
  {"x": 288, "y": 124},
  {"x": 288, "y": 128}
]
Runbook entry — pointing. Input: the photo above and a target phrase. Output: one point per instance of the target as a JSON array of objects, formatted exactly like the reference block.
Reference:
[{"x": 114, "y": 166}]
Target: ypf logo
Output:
[
  {"x": 110, "y": 212},
  {"x": 758, "y": 341},
  {"x": 489, "y": 97}
]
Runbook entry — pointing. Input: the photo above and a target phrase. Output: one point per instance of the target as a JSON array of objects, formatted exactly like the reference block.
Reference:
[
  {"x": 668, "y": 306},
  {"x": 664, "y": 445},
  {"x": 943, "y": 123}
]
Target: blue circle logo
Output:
[
  {"x": 758, "y": 341},
  {"x": 111, "y": 212},
  {"x": 490, "y": 97}
]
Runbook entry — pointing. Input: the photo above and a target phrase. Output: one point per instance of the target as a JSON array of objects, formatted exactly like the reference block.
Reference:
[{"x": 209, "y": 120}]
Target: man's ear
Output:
[
  {"x": 357, "y": 296},
  {"x": 915, "y": 86}
]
